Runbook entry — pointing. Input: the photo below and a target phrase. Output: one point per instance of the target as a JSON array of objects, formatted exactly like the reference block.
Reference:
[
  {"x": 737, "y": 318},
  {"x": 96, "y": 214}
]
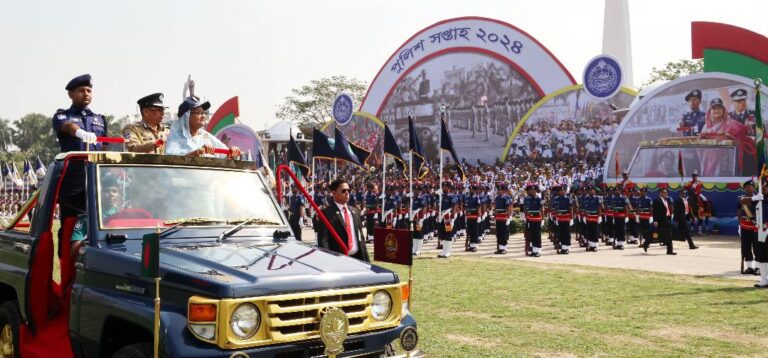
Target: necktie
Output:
[
  {"x": 666, "y": 206},
  {"x": 348, "y": 227}
]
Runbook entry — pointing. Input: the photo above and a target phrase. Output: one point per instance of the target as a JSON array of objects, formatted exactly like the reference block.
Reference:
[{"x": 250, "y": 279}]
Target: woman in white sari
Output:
[{"x": 187, "y": 135}]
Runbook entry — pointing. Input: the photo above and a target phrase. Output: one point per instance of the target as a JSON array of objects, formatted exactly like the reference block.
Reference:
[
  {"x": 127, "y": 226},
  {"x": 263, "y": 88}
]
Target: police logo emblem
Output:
[
  {"x": 390, "y": 246},
  {"x": 342, "y": 108},
  {"x": 333, "y": 330},
  {"x": 602, "y": 77}
]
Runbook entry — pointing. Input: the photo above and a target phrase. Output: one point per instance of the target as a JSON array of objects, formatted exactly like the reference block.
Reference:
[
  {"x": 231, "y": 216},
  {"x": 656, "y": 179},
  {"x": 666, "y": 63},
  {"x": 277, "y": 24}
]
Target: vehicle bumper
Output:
[{"x": 355, "y": 345}]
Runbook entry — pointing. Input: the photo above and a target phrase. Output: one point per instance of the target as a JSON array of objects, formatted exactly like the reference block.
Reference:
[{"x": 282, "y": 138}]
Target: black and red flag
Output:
[{"x": 150, "y": 255}]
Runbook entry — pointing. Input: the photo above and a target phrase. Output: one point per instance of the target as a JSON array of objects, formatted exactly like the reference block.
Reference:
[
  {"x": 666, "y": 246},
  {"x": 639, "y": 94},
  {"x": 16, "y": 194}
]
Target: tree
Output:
[
  {"x": 34, "y": 136},
  {"x": 675, "y": 70},
  {"x": 310, "y": 105},
  {"x": 6, "y": 135}
]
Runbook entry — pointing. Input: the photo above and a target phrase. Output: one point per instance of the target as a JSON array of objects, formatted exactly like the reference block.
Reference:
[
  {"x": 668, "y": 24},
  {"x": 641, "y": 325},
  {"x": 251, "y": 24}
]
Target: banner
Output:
[
  {"x": 486, "y": 72},
  {"x": 393, "y": 246}
]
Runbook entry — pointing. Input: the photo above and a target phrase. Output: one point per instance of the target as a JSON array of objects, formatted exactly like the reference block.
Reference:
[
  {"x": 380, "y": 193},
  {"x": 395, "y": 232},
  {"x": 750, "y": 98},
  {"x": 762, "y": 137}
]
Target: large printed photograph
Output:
[
  {"x": 705, "y": 121},
  {"x": 484, "y": 97},
  {"x": 569, "y": 126}
]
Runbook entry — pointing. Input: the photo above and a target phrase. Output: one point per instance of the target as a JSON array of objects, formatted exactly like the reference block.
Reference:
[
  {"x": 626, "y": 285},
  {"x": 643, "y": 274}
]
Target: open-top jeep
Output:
[{"x": 234, "y": 281}]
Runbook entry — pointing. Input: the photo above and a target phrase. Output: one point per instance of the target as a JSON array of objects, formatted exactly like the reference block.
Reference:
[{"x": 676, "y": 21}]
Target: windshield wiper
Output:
[
  {"x": 239, "y": 226},
  {"x": 182, "y": 222}
]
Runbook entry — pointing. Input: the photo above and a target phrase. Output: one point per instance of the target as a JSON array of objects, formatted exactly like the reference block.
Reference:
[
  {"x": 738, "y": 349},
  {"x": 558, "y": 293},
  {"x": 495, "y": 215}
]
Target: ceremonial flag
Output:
[
  {"x": 321, "y": 145},
  {"x": 5, "y": 171},
  {"x": 417, "y": 152},
  {"x": 343, "y": 150},
  {"x": 40, "y": 168},
  {"x": 680, "y": 165},
  {"x": 29, "y": 174},
  {"x": 446, "y": 143},
  {"x": 393, "y": 246},
  {"x": 296, "y": 157},
  {"x": 150, "y": 255},
  {"x": 391, "y": 148},
  {"x": 360, "y": 152}
]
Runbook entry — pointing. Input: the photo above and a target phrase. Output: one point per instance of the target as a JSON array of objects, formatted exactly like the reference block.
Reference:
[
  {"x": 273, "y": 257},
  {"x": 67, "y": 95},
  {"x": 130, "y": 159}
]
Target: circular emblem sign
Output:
[
  {"x": 602, "y": 77},
  {"x": 342, "y": 108}
]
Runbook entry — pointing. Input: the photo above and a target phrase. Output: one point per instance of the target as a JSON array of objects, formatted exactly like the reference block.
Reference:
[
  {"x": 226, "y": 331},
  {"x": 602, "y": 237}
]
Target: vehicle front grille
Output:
[{"x": 292, "y": 319}]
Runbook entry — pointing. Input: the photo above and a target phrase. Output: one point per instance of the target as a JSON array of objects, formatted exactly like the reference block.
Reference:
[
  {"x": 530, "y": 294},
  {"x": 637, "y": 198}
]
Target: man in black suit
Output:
[
  {"x": 345, "y": 219},
  {"x": 662, "y": 214},
  {"x": 682, "y": 216}
]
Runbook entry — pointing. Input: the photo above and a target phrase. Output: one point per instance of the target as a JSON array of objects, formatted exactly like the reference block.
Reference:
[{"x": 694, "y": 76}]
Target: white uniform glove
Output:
[
  {"x": 599, "y": 219},
  {"x": 637, "y": 219},
  {"x": 757, "y": 197},
  {"x": 86, "y": 137},
  {"x": 571, "y": 222},
  {"x": 626, "y": 219},
  {"x": 650, "y": 220}
]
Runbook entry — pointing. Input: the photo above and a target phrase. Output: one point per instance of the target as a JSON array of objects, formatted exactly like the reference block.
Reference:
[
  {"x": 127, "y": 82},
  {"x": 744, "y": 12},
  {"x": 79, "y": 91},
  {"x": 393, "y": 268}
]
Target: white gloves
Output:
[
  {"x": 757, "y": 197},
  {"x": 86, "y": 137},
  {"x": 571, "y": 222},
  {"x": 626, "y": 219},
  {"x": 381, "y": 196},
  {"x": 439, "y": 191},
  {"x": 599, "y": 219},
  {"x": 650, "y": 220},
  {"x": 637, "y": 219}
]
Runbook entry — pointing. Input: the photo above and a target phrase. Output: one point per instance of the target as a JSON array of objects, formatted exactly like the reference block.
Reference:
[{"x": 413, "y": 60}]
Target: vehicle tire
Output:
[
  {"x": 9, "y": 329},
  {"x": 138, "y": 350}
]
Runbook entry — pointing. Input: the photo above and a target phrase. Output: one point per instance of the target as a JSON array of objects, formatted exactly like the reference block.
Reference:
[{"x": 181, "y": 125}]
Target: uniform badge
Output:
[
  {"x": 62, "y": 116},
  {"x": 127, "y": 136}
]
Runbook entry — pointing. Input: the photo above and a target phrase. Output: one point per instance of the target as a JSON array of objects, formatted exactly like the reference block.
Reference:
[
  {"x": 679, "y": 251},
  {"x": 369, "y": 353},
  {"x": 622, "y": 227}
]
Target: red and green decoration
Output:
[
  {"x": 730, "y": 49},
  {"x": 224, "y": 116}
]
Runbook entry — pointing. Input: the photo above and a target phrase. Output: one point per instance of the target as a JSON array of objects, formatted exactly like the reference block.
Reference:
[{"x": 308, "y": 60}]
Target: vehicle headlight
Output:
[
  {"x": 245, "y": 320},
  {"x": 382, "y": 305}
]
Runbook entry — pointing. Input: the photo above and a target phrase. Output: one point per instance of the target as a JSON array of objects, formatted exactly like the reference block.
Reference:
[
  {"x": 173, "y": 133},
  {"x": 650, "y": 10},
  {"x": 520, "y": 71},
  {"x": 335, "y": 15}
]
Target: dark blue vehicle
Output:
[{"x": 234, "y": 281}]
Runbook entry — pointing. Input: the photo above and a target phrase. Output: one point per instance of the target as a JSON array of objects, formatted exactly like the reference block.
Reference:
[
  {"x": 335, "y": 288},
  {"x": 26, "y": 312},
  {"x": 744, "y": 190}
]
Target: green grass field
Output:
[{"x": 472, "y": 307}]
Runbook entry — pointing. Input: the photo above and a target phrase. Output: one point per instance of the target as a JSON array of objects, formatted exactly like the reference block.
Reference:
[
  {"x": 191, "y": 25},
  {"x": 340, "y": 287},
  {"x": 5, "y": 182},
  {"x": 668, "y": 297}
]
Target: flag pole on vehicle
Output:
[{"x": 150, "y": 268}]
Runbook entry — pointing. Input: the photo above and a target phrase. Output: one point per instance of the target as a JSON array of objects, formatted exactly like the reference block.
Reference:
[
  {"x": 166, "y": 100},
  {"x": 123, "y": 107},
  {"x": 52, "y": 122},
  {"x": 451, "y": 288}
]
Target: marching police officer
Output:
[
  {"x": 445, "y": 221},
  {"x": 590, "y": 206},
  {"x": 296, "y": 206},
  {"x": 532, "y": 208},
  {"x": 643, "y": 212},
  {"x": 760, "y": 248},
  {"x": 620, "y": 209},
  {"x": 563, "y": 210},
  {"x": 693, "y": 120},
  {"x": 148, "y": 135},
  {"x": 748, "y": 225},
  {"x": 372, "y": 210},
  {"x": 503, "y": 213},
  {"x": 473, "y": 204}
]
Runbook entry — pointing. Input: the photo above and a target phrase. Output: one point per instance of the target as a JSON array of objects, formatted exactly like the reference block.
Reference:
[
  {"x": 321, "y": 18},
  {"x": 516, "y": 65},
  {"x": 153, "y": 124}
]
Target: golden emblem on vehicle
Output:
[
  {"x": 390, "y": 245},
  {"x": 333, "y": 330}
]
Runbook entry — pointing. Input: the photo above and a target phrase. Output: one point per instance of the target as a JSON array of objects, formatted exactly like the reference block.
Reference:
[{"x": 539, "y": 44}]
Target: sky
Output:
[{"x": 260, "y": 50}]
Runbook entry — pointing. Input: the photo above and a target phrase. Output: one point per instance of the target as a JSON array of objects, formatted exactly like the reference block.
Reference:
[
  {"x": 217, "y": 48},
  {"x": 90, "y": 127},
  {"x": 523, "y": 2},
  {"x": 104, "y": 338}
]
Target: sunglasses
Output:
[{"x": 344, "y": 191}]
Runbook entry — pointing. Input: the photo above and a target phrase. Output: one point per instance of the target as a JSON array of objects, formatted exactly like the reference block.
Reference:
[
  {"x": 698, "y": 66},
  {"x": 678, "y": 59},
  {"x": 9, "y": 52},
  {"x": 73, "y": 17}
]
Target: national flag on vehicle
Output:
[{"x": 150, "y": 255}]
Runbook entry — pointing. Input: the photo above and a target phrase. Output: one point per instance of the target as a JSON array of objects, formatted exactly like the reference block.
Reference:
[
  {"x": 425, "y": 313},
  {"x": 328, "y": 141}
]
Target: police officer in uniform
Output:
[
  {"x": 620, "y": 209},
  {"x": 148, "y": 135},
  {"x": 445, "y": 221},
  {"x": 372, "y": 210},
  {"x": 634, "y": 220},
  {"x": 76, "y": 129},
  {"x": 609, "y": 220},
  {"x": 693, "y": 120},
  {"x": 532, "y": 209},
  {"x": 748, "y": 227},
  {"x": 417, "y": 224},
  {"x": 473, "y": 204},
  {"x": 296, "y": 206},
  {"x": 643, "y": 212},
  {"x": 590, "y": 206},
  {"x": 563, "y": 210},
  {"x": 503, "y": 213},
  {"x": 740, "y": 111},
  {"x": 760, "y": 248}
]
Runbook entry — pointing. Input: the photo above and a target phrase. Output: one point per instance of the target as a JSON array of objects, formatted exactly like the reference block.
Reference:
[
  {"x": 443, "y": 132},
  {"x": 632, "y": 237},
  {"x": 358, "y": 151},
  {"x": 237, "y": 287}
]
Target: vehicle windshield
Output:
[
  {"x": 155, "y": 196},
  {"x": 662, "y": 162}
]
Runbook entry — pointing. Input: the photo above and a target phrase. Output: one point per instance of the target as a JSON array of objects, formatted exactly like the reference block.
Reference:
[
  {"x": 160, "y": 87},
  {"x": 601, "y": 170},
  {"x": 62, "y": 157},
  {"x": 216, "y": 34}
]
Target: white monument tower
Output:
[{"x": 617, "y": 41}]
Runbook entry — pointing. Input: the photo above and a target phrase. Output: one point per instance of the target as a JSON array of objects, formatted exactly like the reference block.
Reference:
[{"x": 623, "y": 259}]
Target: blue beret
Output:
[{"x": 82, "y": 80}]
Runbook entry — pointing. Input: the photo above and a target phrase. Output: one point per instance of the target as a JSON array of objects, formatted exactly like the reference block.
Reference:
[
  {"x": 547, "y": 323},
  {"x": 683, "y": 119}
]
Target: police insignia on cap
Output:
[
  {"x": 739, "y": 94},
  {"x": 693, "y": 94}
]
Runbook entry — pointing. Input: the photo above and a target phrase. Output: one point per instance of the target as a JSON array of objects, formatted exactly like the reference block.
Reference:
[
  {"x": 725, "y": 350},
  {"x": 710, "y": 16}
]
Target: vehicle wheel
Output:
[
  {"x": 9, "y": 330},
  {"x": 138, "y": 350}
]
